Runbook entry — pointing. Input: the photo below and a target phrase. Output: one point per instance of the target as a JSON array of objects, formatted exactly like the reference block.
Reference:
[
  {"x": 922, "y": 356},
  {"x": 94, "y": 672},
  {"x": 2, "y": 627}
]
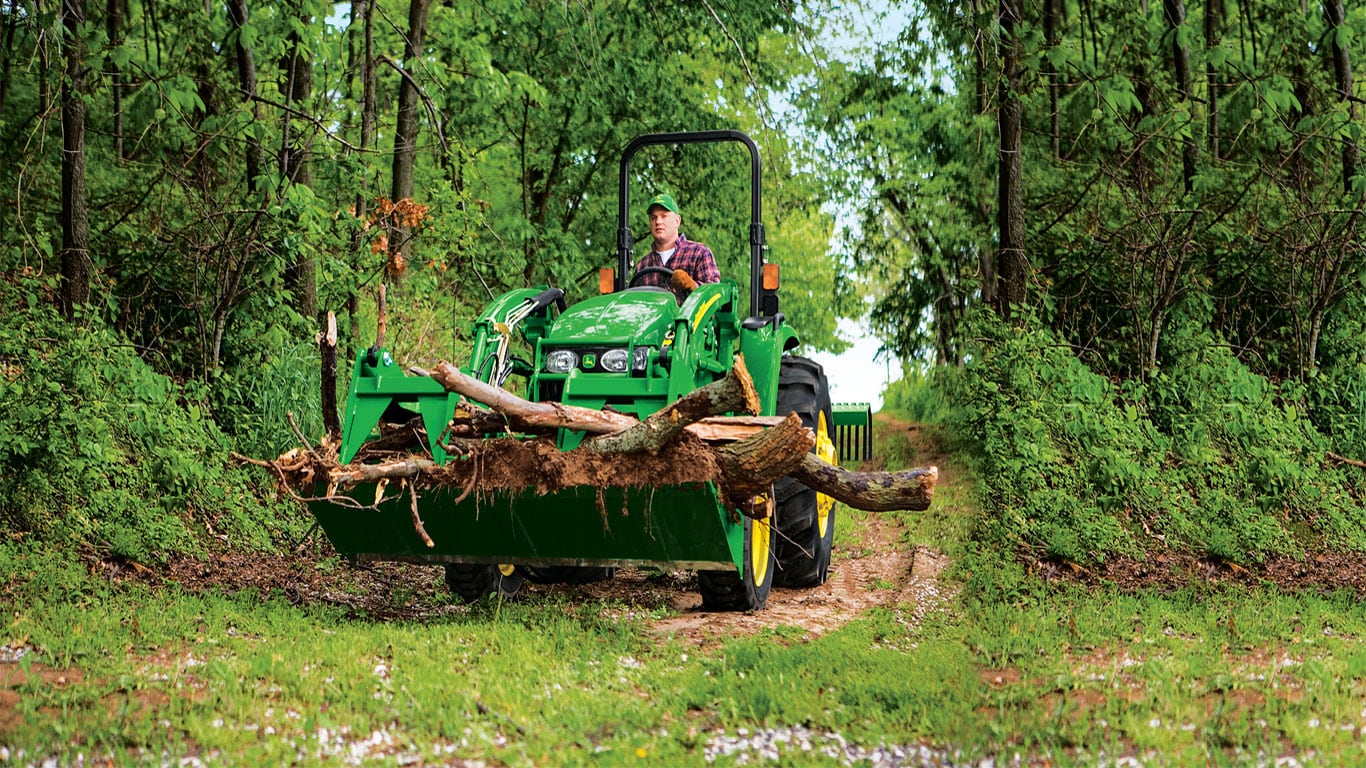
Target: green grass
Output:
[{"x": 1065, "y": 673}]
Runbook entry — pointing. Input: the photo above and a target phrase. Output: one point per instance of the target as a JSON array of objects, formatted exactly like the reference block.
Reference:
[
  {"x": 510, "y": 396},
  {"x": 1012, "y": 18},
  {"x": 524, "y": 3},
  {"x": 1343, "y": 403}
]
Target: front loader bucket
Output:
[
  {"x": 853, "y": 434},
  {"x": 681, "y": 525}
]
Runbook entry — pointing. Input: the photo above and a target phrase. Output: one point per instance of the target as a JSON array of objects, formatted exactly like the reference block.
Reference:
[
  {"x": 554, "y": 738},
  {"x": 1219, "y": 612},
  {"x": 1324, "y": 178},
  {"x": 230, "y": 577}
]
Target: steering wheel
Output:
[{"x": 643, "y": 271}]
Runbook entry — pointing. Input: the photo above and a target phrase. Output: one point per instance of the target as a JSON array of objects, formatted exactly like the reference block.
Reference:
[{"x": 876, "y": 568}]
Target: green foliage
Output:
[
  {"x": 922, "y": 395},
  {"x": 1207, "y": 458},
  {"x": 98, "y": 451},
  {"x": 258, "y": 398},
  {"x": 1177, "y": 154}
]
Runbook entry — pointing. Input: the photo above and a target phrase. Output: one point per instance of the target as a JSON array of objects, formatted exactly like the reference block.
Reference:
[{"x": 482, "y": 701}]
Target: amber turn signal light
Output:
[{"x": 770, "y": 277}]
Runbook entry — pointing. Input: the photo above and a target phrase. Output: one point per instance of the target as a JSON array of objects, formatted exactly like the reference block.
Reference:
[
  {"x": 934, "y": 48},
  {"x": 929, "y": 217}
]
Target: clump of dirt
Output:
[{"x": 506, "y": 464}]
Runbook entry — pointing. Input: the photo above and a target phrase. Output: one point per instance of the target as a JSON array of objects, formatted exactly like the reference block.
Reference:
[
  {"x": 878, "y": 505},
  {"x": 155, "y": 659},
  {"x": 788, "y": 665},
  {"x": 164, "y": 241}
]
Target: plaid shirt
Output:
[{"x": 694, "y": 258}]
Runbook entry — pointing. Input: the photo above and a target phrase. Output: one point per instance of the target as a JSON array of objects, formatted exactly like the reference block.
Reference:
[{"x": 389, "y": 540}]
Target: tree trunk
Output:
[
  {"x": 297, "y": 71},
  {"x": 524, "y": 415},
  {"x": 870, "y": 491},
  {"x": 10, "y": 22},
  {"x": 246, "y": 86},
  {"x": 1010, "y": 220},
  {"x": 327, "y": 349},
  {"x": 734, "y": 393},
  {"x": 362, "y": 12},
  {"x": 1175, "y": 13},
  {"x": 1051, "y": 12},
  {"x": 113, "y": 29},
  {"x": 1342, "y": 71},
  {"x": 986, "y": 256},
  {"x": 405, "y": 134},
  {"x": 76, "y": 262}
]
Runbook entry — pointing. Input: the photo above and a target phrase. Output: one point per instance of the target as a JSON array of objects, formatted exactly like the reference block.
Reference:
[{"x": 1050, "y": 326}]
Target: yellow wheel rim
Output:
[
  {"x": 825, "y": 451},
  {"x": 760, "y": 535}
]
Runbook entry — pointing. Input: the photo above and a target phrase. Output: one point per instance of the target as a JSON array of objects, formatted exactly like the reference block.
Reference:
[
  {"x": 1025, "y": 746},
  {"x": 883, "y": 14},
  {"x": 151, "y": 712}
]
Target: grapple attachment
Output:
[{"x": 853, "y": 433}]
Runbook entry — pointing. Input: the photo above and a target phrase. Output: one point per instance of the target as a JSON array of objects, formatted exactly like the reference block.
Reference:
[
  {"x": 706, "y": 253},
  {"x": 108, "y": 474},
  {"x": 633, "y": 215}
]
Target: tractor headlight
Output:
[
  {"x": 561, "y": 361},
  {"x": 640, "y": 359},
  {"x": 613, "y": 361}
]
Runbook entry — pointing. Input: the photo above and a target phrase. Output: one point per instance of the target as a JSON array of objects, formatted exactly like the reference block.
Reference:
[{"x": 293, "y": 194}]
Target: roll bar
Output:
[{"x": 626, "y": 243}]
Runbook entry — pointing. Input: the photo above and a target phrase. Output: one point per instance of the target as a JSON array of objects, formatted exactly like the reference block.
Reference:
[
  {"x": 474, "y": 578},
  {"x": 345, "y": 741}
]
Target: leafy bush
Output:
[
  {"x": 99, "y": 451},
  {"x": 1207, "y": 457},
  {"x": 921, "y": 395},
  {"x": 256, "y": 397}
]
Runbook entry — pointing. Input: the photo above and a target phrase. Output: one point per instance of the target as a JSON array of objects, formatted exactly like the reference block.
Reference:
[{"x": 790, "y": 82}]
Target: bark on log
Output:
[
  {"x": 719, "y": 430},
  {"x": 735, "y": 392},
  {"x": 401, "y": 469},
  {"x": 523, "y": 414},
  {"x": 751, "y": 465},
  {"x": 870, "y": 491}
]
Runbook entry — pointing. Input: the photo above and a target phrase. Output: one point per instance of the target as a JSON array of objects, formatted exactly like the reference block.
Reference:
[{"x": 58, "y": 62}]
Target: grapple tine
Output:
[{"x": 853, "y": 431}]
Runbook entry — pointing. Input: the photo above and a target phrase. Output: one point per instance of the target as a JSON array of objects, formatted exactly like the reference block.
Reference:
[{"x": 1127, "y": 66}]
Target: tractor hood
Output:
[{"x": 616, "y": 318}]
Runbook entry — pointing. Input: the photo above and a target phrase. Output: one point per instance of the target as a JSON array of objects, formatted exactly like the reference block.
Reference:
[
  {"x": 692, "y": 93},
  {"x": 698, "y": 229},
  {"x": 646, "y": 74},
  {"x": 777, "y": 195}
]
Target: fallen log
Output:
[
  {"x": 524, "y": 414},
  {"x": 870, "y": 491},
  {"x": 752, "y": 465},
  {"x": 735, "y": 392}
]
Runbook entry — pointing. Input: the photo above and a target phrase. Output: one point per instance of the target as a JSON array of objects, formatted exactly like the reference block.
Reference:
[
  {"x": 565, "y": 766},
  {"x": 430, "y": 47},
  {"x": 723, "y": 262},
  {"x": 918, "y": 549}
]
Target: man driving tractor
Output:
[{"x": 691, "y": 262}]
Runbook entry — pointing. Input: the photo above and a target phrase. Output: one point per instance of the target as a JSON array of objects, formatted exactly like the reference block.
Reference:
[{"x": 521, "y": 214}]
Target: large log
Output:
[
  {"x": 751, "y": 465},
  {"x": 735, "y": 392},
  {"x": 870, "y": 491},
  {"x": 523, "y": 414}
]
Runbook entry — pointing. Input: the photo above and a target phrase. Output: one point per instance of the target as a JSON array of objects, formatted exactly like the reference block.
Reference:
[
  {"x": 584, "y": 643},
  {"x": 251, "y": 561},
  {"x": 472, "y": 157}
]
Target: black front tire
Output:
[
  {"x": 473, "y": 582},
  {"x": 806, "y": 530},
  {"x": 748, "y": 590}
]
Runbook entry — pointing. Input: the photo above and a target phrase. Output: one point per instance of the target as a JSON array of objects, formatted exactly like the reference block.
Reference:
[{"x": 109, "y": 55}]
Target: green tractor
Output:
[{"x": 634, "y": 349}]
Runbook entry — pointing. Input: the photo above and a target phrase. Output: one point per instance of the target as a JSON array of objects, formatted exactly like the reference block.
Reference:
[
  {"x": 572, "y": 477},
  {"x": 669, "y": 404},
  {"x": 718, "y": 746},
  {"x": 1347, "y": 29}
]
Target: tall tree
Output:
[
  {"x": 295, "y": 148},
  {"x": 245, "y": 61},
  {"x": 1336, "y": 15},
  {"x": 405, "y": 132},
  {"x": 113, "y": 29},
  {"x": 1174, "y": 12},
  {"x": 77, "y": 267},
  {"x": 1214, "y": 20},
  {"x": 362, "y": 53},
  {"x": 1013, "y": 260}
]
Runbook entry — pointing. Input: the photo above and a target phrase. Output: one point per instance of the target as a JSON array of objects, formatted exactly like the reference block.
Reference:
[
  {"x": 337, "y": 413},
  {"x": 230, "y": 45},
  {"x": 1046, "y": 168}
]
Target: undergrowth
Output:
[
  {"x": 98, "y": 451},
  {"x": 1205, "y": 457}
]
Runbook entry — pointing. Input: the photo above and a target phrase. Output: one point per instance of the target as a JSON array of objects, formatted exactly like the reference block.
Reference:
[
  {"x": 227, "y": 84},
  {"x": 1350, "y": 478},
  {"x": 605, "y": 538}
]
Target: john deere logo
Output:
[{"x": 590, "y": 361}]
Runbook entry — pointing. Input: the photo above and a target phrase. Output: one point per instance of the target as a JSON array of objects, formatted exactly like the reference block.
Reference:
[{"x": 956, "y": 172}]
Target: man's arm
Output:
[{"x": 702, "y": 263}]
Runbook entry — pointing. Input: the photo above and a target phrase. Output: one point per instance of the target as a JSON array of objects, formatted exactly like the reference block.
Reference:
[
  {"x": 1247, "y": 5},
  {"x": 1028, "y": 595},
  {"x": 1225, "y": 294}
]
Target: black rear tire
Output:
[
  {"x": 748, "y": 590},
  {"x": 806, "y": 520},
  {"x": 473, "y": 582}
]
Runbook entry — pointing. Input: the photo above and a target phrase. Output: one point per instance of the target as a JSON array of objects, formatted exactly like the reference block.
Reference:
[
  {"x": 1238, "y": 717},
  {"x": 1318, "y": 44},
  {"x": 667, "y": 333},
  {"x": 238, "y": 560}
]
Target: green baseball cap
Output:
[{"x": 665, "y": 201}]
